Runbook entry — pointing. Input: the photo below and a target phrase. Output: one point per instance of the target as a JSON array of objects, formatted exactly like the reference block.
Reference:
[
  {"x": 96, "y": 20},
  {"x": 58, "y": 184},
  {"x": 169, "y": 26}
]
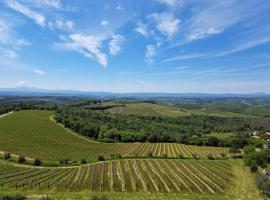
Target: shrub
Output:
[
  {"x": 37, "y": 162},
  {"x": 101, "y": 157},
  {"x": 95, "y": 197},
  {"x": 223, "y": 155},
  {"x": 12, "y": 197},
  {"x": 21, "y": 159},
  {"x": 64, "y": 161},
  {"x": 181, "y": 156},
  {"x": 150, "y": 154},
  {"x": 210, "y": 156},
  {"x": 83, "y": 161},
  {"x": 164, "y": 155},
  {"x": 195, "y": 156},
  {"x": 7, "y": 156},
  {"x": 263, "y": 184}
]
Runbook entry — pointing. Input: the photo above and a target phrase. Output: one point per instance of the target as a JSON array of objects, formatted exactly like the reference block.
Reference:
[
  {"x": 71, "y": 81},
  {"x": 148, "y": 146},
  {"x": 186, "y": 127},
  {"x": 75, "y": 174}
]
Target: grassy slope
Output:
[
  {"x": 152, "y": 109},
  {"x": 32, "y": 134}
]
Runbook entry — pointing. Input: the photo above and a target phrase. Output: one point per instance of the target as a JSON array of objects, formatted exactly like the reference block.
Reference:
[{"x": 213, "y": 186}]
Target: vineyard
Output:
[
  {"x": 174, "y": 150},
  {"x": 33, "y": 134},
  {"x": 154, "y": 175}
]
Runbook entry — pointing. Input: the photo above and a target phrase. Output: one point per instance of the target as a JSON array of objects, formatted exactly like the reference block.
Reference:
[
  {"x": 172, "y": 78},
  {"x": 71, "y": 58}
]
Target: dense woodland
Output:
[{"x": 118, "y": 128}]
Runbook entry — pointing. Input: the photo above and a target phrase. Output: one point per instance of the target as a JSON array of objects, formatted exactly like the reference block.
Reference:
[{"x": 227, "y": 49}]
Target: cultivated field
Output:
[
  {"x": 148, "y": 109},
  {"x": 33, "y": 134},
  {"x": 200, "y": 176},
  {"x": 175, "y": 150}
]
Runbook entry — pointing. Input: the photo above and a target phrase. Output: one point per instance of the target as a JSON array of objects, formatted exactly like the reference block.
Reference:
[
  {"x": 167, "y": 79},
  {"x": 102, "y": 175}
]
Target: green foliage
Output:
[
  {"x": 210, "y": 156},
  {"x": 7, "y": 156},
  {"x": 135, "y": 128},
  {"x": 263, "y": 183},
  {"x": 100, "y": 157},
  {"x": 37, "y": 162},
  {"x": 21, "y": 159},
  {"x": 83, "y": 161},
  {"x": 256, "y": 159},
  {"x": 12, "y": 197}
]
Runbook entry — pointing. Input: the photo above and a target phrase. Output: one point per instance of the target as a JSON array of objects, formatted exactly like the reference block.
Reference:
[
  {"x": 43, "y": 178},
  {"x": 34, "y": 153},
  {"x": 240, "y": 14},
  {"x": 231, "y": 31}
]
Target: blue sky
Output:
[{"x": 208, "y": 46}]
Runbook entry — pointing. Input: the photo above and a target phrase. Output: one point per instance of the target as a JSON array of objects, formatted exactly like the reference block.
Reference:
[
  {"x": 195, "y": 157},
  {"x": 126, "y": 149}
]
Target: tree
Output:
[
  {"x": 255, "y": 160},
  {"x": 83, "y": 161},
  {"x": 21, "y": 159},
  {"x": 37, "y": 162},
  {"x": 100, "y": 157},
  {"x": 7, "y": 156},
  {"x": 234, "y": 151}
]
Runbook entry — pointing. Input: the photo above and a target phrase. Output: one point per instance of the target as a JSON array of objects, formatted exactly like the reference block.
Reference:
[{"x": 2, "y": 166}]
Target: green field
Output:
[
  {"x": 34, "y": 135},
  {"x": 150, "y": 109}
]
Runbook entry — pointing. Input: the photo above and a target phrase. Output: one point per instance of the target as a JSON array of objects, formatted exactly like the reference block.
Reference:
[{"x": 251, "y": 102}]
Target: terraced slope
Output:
[{"x": 200, "y": 176}]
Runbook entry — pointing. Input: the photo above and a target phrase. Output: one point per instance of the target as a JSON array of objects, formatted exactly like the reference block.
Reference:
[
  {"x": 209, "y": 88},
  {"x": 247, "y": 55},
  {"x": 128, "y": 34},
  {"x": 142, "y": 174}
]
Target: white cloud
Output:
[
  {"x": 218, "y": 16},
  {"x": 142, "y": 29},
  {"x": 150, "y": 52},
  {"x": 119, "y": 7},
  {"x": 186, "y": 57},
  {"x": 166, "y": 23},
  {"x": 39, "y": 72},
  {"x": 115, "y": 44},
  {"x": 171, "y": 3},
  {"x": 10, "y": 54},
  {"x": 104, "y": 23},
  {"x": 87, "y": 45},
  {"x": 23, "y": 9},
  {"x": 50, "y": 3},
  {"x": 244, "y": 45},
  {"x": 21, "y": 82},
  {"x": 62, "y": 24}
]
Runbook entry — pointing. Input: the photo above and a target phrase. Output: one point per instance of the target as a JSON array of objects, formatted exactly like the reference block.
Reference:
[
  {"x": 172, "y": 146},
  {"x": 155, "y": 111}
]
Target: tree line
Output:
[{"x": 186, "y": 129}]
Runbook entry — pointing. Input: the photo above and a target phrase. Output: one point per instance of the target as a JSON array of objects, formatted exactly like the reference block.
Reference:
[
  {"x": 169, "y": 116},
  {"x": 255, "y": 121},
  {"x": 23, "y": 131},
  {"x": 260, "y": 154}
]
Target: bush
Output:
[
  {"x": 101, "y": 157},
  {"x": 95, "y": 197},
  {"x": 150, "y": 154},
  {"x": 83, "y": 161},
  {"x": 223, "y": 155},
  {"x": 21, "y": 159},
  {"x": 181, "y": 156},
  {"x": 164, "y": 155},
  {"x": 7, "y": 156},
  {"x": 64, "y": 161},
  {"x": 195, "y": 156},
  {"x": 12, "y": 197},
  {"x": 210, "y": 156},
  {"x": 263, "y": 184},
  {"x": 37, "y": 162}
]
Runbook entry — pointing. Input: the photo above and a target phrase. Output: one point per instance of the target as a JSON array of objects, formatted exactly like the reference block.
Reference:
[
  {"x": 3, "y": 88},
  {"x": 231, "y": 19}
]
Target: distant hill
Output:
[{"x": 29, "y": 91}]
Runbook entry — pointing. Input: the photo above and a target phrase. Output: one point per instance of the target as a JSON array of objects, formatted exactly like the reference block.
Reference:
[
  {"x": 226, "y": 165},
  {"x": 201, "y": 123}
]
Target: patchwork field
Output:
[
  {"x": 33, "y": 134},
  {"x": 201, "y": 176}
]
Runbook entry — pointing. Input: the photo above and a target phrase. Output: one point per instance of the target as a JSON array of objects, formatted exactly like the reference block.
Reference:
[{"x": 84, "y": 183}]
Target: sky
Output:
[{"x": 208, "y": 46}]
